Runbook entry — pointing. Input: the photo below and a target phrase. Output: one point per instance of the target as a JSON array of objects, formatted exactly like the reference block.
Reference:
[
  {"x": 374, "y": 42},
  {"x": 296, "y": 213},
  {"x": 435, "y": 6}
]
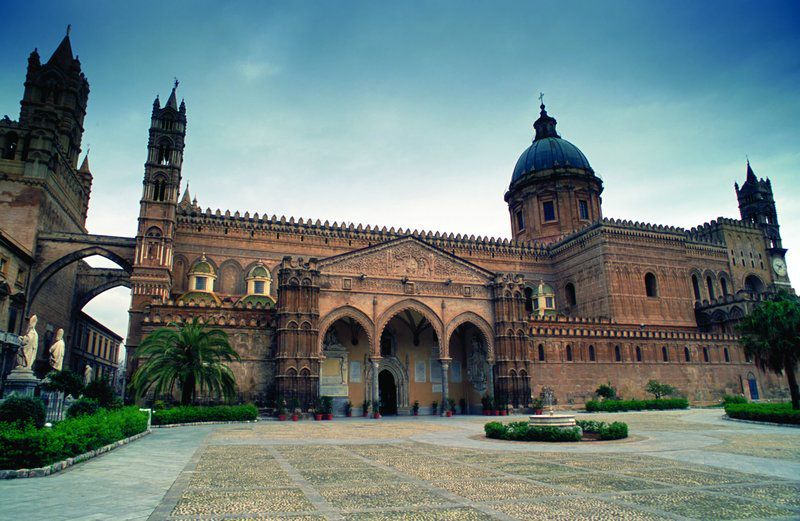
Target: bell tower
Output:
[
  {"x": 151, "y": 277},
  {"x": 757, "y": 206}
]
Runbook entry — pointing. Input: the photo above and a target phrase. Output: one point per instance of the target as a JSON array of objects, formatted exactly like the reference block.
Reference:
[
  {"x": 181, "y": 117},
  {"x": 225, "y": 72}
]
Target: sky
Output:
[{"x": 413, "y": 114}]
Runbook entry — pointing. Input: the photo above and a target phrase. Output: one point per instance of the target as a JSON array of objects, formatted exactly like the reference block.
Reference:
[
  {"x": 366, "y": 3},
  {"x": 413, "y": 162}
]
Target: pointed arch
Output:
[
  {"x": 345, "y": 312},
  {"x": 479, "y": 322},
  {"x": 419, "y": 307}
]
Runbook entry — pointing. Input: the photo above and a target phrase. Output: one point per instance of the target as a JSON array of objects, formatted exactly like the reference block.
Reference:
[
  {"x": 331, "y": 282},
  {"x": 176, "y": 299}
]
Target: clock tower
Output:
[{"x": 757, "y": 206}]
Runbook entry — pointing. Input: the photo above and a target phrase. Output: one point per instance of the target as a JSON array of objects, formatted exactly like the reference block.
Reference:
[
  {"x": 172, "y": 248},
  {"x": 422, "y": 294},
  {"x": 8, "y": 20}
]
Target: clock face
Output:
[{"x": 779, "y": 266}]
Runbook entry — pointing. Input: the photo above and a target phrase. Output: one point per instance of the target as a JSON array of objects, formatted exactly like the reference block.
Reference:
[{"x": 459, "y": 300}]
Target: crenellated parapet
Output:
[{"x": 561, "y": 326}]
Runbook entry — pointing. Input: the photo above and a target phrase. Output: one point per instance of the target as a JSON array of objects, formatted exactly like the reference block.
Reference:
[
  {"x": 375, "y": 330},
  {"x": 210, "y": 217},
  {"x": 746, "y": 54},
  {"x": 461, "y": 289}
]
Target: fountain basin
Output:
[{"x": 552, "y": 420}]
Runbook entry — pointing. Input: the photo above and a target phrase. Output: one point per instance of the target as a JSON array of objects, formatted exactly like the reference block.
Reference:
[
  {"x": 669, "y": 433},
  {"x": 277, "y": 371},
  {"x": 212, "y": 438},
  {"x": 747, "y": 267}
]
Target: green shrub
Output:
[
  {"x": 606, "y": 391},
  {"x": 615, "y": 431},
  {"x": 22, "y": 410},
  {"x": 636, "y": 405},
  {"x": 102, "y": 391},
  {"x": 193, "y": 413},
  {"x": 29, "y": 447},
  {"x": 523, "y": 431},
  {"x": 733, "y": 398},
  {"x": 659, "y": 390},
  {"x": 65, "y": 381},
  {"x": 764, "y": 412},
  {"x": 82, "y": 407}
]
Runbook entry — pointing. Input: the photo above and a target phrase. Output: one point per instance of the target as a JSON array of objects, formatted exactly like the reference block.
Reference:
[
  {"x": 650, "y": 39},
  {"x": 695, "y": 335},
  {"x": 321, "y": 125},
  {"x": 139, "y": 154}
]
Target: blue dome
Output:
[{"x": 549, "y": 152}]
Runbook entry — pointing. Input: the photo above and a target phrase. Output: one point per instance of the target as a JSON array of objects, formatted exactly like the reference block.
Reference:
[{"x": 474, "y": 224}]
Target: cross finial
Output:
[
  {"x": 541, "y": 98},
  {"x": 69, "y": 28},
  {"x": 177, "y": 82}
]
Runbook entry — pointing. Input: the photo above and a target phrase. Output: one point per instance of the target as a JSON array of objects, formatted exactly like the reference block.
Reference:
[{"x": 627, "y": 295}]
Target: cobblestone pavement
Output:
[{"x": 677, "y": 465}]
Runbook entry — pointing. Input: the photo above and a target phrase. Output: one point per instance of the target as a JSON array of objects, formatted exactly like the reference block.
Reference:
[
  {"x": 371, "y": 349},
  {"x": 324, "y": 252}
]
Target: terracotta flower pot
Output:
[
  {"x": 295, "y": 417},
  {"x": 366, "y": 414},
  {"x": 377, "y": 416},
  {"x": 448, "y": 413},
  {"x": 537, "y": 411},
  {"x": 349, "y": 414},
  {"x": 328, "y": 416},
  {"x": 416, "y": 413},
  {"x": 318, "y": 417},
  {"x": 281, "y": 417},
  {"x": 503, "y": 413},
  {"x": 495, "y": 412}
]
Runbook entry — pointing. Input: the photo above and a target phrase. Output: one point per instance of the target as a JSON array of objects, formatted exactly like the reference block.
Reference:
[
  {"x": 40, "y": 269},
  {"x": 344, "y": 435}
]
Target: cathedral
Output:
[{"x": 361, "y": 313}]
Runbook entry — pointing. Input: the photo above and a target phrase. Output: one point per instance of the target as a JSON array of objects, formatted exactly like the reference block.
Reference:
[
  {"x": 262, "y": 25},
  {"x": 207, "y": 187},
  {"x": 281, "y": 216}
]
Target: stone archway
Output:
[
  {"x": 400, "y": 375},
  {"x": 412, "y": 305}
]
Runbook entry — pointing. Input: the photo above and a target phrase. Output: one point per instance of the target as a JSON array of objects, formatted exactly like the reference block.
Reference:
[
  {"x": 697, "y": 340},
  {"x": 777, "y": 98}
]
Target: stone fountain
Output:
[{"x": 549, "y": 419}]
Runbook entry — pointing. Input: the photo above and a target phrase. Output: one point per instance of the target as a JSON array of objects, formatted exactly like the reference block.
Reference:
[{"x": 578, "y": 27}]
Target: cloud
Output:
[{"x": 252, "y": 70}]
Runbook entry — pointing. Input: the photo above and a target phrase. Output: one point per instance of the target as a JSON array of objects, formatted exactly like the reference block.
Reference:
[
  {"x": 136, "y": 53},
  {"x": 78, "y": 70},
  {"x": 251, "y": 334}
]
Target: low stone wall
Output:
[{"x": 61, "y": 465}]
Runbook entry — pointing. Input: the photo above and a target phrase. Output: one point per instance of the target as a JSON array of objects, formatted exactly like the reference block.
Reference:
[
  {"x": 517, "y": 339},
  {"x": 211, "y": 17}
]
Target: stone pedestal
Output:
[{"x": 21, "y": 381}]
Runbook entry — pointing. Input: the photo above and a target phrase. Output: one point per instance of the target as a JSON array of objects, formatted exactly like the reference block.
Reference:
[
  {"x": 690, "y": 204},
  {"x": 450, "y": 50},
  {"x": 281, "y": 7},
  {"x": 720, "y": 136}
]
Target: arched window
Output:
[
  {"x": 705, "y": 354},
  {"x": 617, "y": 354},
  {"x": 569, "y": 289},
  {"x": 569, "y": 353},
  {"x": 753, "y": 284},
  {"x": 726, "y": 355},
  {"x": 687, "y": 355},
  {"x": 160, "y": 189},
  {"x": 541, "y": 353},
  {"x": 664, "y": 354},
  {"x": 724, "y": 285},
  {"x": 710, "y": 284},
  {"x": 10, "y": 145},
  {"x": 164, "y": 153},
  {"x": 638, "y": 354},
  {"x": 591, "y": 354},
  {"x": 696, "y": 288},
  {"x": 651, "y": 285},
  {"x": 387, "y": 341},
  {"x": 529, "y": 300}
]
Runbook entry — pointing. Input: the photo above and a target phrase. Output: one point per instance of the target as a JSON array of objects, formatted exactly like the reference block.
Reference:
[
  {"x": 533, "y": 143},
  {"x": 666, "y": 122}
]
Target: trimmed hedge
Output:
[
  {"x": 82, "y": 407},
  {"x": 196, "y": 413},
  {"x": 29, "y": 447},
  {"x": 764, "y": 412},
  {"x": 21, "y": 410},
  {"x": 523, "y": 431},
  {"x": 614, "y": 431},
  {"x": 636, "y": 405},
  {"x": 733, "y": 398}
]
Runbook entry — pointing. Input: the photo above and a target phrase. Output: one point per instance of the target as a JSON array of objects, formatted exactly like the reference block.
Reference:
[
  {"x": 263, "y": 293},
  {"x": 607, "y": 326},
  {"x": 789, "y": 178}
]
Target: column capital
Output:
[
  {"x": 375, "y": 360},
  {"x": 445, "y": 360}
]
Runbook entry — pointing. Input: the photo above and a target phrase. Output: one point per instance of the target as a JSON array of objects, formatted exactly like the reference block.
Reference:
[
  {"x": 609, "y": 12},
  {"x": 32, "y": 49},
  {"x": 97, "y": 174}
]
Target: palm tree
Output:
[
  {"x": 771, "y": 336},
  {"x": 189, "y": 356}
]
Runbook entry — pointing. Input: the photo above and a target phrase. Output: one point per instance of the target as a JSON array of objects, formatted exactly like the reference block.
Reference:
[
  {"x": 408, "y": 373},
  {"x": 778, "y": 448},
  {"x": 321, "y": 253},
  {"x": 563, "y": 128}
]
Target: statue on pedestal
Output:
[
  {"x": 30, "y": 346},
  {"x": 87, "y": 374},
  {"x": 57, "y": 351}
]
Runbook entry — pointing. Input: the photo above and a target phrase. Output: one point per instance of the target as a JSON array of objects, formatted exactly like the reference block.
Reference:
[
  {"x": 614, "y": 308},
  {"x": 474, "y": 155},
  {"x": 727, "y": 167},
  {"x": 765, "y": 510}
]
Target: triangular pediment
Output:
[{"x": 406, "y": 257}]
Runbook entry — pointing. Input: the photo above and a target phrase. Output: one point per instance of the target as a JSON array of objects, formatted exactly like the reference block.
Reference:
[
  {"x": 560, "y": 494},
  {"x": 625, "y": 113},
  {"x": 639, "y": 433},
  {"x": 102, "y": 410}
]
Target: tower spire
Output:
[{"x": 545, "y": 126}]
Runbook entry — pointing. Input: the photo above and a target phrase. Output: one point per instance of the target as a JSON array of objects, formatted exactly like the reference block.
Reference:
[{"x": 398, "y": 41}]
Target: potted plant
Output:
[
  {"x": 295, "y": 409},
  {"x": 365, "y": 408},
  {"x": 327, "y": 407},
  {"x": 415, "y": 408},
  {"x": 536, "y": 405},
  {"x": 487, "y": 403},
  {"x": 348, "y": 409},
  {"x": 281, "y": 410},
  {"x": 318, "y": 410},
  {"x": 451, "y": 407},
  {"x": 435, "y": 408},
  {"x": 376, "y": 407}
]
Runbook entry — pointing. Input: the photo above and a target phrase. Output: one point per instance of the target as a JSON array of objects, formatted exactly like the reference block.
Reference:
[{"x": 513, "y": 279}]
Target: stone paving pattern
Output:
[{"x": 679, "y": 465}]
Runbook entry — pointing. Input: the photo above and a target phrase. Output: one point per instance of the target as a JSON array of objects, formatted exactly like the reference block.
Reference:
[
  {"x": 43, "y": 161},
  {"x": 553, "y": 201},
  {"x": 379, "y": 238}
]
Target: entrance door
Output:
[
  {"x": 751, "y": 380},
  {"x": 387, "y": 391}
]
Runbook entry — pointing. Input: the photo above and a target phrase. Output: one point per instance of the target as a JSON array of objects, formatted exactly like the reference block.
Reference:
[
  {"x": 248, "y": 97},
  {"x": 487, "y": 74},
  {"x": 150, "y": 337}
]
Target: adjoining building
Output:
[
  {"x": 358, "y": 312},
  {"x": 96, "y": 346}
]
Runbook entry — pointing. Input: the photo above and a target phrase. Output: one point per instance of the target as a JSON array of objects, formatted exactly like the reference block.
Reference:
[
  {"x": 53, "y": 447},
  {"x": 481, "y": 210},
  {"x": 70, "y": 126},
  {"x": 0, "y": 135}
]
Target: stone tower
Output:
[
  {"x": 151, "y": 278},
  {"x": 757, "y": 206},
  {"x": 553, "y": 190}
]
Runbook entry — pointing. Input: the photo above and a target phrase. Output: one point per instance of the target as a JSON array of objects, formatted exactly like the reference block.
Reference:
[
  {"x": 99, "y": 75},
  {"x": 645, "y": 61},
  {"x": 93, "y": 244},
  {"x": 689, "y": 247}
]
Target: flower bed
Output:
[
  {"x": 604, "y": 431},
  {"x": 636, "y": 405},
  {"x": 25, "y": 446},
  {"x": 198, "y": 414},
  {"x": 764, "y": 412},
  {"x": 523, "y": 431}
]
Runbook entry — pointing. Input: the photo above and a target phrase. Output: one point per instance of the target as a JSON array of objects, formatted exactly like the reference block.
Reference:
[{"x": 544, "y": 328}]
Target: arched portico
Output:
[{"x": 409, "y": 305}]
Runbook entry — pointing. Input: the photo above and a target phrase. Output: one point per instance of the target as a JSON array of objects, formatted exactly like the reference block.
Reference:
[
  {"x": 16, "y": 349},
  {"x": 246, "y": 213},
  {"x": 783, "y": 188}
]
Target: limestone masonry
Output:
[{"x": 356, "y": 312}]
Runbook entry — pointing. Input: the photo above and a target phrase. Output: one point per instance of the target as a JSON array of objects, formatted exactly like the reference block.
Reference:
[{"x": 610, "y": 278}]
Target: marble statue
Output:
[
  {"x": 476, "y": 370},
  {"x": 30, "y": 345},
  {"x": 57, "y": 351},
  {"x": 87, "y": 374}
]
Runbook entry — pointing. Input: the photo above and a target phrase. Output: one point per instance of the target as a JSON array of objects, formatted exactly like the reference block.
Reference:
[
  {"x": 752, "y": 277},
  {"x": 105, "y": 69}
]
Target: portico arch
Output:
[
  {"x": 414, "y": 305},
  {"x": 345, "y": 312},
  {"x": 480, "y": 323}
]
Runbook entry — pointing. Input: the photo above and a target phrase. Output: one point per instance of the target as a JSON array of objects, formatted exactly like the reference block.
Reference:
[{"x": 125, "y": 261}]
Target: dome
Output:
[
  {"x": 548, "y": 151},
  {"x": 259, "y": 272},
  {"x": 202, "y": 266}
]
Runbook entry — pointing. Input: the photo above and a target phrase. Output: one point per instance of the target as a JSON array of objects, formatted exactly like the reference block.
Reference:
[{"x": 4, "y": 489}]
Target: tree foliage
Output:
[
  {"x": 65, "y": 381},
  {"x": 771, "y": 337},
  {"x": 188, "y": 358},
  {"x": 659, "y": 390}
]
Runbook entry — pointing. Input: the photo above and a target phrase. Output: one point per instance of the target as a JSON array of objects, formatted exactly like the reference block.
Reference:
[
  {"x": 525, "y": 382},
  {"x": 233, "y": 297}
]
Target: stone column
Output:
[
  {"x": 490, "y": 380},
  {"x": 445, "y": 367},
  {"x": 375, "y": 393}
]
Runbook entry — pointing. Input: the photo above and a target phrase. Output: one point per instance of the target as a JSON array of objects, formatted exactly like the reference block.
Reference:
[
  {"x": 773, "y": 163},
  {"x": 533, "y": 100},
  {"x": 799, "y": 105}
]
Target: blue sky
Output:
[{"x": 413, "y": 114}]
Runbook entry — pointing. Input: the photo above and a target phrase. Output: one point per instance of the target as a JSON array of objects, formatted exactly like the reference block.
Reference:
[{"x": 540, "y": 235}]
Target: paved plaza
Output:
[{"x": 676, "y": 465}]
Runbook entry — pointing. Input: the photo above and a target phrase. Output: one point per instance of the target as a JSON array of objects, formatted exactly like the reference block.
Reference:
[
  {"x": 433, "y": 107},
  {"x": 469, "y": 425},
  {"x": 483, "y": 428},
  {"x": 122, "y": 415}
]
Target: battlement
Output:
[
  {"x": 557, "y": 325},
  {"x": 716, "y": 224},
  {"x": 345, "y": 230}
]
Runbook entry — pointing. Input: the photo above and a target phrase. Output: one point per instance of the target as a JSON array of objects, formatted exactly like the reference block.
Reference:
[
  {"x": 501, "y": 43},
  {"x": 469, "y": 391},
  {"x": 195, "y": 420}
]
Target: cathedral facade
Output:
[{"x": 393, "y": 316}]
